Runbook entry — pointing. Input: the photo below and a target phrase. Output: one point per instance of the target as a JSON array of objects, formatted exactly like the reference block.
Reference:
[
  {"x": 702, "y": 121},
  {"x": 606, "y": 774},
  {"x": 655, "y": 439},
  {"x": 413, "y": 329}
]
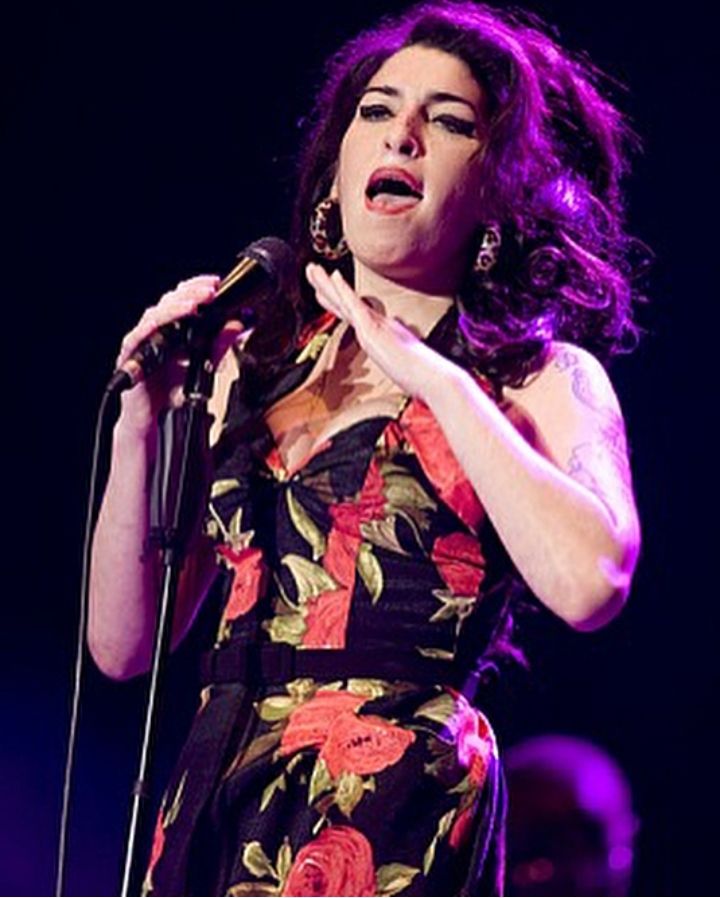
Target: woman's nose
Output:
[{"x": 403, "y": 138}]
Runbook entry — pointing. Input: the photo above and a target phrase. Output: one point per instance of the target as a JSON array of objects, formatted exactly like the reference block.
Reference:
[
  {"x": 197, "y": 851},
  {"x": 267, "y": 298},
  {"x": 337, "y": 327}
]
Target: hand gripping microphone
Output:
[{"x": 264, "y": 269}]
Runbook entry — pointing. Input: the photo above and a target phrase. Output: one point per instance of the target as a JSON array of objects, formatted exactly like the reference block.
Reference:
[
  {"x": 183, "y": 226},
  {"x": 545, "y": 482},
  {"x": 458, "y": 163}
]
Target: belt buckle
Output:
[{"x": 277, "y": 662}]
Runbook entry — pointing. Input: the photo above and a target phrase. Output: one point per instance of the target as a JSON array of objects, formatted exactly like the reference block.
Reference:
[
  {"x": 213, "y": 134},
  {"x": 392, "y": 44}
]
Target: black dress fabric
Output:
[{"x": 351, "y": 782}]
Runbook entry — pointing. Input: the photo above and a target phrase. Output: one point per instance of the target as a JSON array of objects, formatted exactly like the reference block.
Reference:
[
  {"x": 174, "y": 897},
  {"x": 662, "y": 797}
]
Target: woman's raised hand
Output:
[
  {"x": 393, "y": 347},
  {"x": 141, "y": 404}
]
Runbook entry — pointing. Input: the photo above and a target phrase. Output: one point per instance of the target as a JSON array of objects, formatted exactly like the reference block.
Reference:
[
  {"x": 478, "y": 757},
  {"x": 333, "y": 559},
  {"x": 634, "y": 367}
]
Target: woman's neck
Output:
[{"x": 416, "y": 309}]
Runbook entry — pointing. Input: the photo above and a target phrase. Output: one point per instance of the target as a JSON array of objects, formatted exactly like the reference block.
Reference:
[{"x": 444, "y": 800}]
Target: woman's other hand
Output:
[{"x": 394, "y": 348}]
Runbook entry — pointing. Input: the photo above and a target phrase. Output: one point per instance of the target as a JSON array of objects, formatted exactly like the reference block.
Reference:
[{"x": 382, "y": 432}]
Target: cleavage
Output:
[{"x": 344, "y": 388}]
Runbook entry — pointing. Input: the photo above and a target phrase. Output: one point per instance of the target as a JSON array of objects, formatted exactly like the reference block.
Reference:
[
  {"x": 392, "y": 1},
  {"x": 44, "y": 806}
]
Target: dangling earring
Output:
[
  {"x": 489, "y": 250},
  {"x": 328, "y": 239}
]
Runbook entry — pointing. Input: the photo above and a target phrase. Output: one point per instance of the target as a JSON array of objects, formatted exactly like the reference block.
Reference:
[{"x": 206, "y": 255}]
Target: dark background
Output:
[{"x": 142, "y": 147}]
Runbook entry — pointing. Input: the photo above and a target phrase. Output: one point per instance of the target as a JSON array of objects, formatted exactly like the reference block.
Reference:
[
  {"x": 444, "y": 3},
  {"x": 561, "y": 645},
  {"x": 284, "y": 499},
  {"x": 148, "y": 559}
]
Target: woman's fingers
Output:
[
  {"x": 335, "y": 294},
  {"x": 324, "y": 289},
  {"x": 178, "y": 303}
]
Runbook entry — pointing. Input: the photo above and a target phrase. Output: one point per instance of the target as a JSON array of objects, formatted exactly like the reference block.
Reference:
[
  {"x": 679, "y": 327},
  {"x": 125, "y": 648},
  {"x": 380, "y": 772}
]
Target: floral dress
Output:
[{"x": 355, "y": 783}]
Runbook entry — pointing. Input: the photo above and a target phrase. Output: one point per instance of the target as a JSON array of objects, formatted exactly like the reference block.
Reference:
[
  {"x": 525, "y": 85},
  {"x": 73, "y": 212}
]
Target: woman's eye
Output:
[
  {"x": 451, "y": 123},
  {"x": 374, "y": 111},
  {"x": 456, "y": 125}
]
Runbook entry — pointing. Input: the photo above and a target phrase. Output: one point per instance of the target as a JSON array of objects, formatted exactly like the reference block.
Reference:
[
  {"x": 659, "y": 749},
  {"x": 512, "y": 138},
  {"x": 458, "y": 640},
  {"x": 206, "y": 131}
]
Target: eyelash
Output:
[{"x": 453, "y": 124}]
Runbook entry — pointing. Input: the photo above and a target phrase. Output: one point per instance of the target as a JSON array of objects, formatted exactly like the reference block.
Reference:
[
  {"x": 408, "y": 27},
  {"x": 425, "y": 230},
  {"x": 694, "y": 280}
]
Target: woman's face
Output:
[{"x": 408, "y": 172}]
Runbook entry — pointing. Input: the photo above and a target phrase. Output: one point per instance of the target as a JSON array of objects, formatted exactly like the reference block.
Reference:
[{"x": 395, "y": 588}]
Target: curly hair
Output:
[{"x": 557, "y": 151}]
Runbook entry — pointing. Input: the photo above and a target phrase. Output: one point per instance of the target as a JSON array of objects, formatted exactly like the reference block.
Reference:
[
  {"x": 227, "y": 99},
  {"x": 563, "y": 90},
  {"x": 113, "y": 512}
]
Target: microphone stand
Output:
[{"x": 179, "y": 492}]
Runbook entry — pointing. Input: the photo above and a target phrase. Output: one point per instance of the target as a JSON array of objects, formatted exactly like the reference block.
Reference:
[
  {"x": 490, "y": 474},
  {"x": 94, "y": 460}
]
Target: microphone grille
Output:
[{"x": 275, "y": 256}]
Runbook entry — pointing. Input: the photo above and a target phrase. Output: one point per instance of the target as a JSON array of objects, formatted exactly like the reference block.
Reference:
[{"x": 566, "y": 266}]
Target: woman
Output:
[{"x": 439, "y": 430}]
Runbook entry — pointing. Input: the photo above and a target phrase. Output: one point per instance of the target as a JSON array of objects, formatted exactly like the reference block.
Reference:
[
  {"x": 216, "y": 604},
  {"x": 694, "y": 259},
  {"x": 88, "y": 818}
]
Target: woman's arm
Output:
[
  {"x": 558, "y": 494},
  {"x": 124, "y": 573},
  {"x": 552, "y": 472}
]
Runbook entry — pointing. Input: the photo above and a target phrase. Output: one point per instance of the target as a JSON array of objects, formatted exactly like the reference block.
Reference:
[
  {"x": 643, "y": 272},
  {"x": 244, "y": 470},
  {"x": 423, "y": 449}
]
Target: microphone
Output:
[{"x": 264, "y": 269}]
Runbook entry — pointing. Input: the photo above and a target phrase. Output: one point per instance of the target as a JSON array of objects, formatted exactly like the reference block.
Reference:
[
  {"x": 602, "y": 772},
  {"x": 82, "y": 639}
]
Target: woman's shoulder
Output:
[
  {"x": 567, "y": 405},
  {"x": 569, "y": 377}
]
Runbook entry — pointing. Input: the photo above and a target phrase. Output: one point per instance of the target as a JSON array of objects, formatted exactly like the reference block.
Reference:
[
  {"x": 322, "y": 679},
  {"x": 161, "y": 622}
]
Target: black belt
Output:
[{"x": 278, "y": 662}]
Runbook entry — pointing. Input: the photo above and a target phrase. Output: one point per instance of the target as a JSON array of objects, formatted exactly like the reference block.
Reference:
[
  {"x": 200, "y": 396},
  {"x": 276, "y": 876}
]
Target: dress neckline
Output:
[{"x": 273, "y": 459}]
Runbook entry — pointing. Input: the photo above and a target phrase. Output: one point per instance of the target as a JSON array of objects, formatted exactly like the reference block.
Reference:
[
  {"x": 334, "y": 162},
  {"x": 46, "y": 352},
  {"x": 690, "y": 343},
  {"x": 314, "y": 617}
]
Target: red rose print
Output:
[
  {"x": 338, "y": 862},
  {"x": 274, "y": 461},
  {"x": 460, "y": 562},
  {"x": 474, "y": 740},
  {"x": 433, "y": 451},
  {"x": 157, "y": 846},
  {"x": 369, "y": 505},
  {"x": 249, "y": 571},
  {"x": 461, "y": 827},
  {"x": 392, "y": 437},
  {"x": 309, "y": 724},
  {"x": 318, "y": 326},
  {"x": 363, "y": 745},
  {"x": 325, "y": 620},
  {"x": 327, "y": 614}
]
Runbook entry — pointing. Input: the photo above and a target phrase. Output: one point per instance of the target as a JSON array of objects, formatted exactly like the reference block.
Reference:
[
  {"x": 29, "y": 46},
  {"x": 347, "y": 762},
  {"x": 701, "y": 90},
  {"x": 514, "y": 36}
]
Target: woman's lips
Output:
[
  {"x": 389, "y": 204},
  {"x": 394, "y": 173}
]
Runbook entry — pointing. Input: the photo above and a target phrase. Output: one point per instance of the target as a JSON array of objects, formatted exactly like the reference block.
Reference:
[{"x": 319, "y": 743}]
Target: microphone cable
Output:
[{"x": 63, "y": 838}]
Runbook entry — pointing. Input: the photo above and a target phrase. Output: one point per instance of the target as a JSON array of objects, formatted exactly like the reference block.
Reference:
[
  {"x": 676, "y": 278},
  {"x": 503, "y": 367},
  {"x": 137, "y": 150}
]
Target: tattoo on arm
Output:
[
  {"x": 583, "y": 459},
  {"x": 565, "y": 359},
  {"x": 610, "y": 442}
]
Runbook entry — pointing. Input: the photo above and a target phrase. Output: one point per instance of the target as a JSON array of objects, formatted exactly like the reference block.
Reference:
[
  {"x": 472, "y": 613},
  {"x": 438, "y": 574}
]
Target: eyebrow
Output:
[{"x": 437, "y": 96}]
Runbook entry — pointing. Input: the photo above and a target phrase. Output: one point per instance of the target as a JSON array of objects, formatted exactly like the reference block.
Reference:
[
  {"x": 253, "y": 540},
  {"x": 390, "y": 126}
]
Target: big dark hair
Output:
[{"x": 557, "y": 151}]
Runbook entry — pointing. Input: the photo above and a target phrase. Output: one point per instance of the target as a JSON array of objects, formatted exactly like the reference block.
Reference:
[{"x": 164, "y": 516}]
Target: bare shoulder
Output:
[
  {"x": 571, "y": 377},
  {"x": 570, "y": 413}
]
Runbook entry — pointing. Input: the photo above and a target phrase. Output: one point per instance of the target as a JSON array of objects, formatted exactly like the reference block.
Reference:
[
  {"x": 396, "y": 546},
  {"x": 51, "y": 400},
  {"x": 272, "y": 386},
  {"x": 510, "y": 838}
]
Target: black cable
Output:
[{"x": 80, "y": 653}]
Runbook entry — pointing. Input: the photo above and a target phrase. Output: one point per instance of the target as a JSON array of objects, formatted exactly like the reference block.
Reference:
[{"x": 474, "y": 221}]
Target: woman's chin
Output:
[
  {"x": 395, "y": 269},
  {"x": 389, "y": 257},
  {"x": 409, "y": 268}
]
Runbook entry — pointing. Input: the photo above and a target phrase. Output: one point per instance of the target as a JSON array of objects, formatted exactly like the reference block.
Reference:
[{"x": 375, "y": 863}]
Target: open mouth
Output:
[{"x": 390, "y": 192}]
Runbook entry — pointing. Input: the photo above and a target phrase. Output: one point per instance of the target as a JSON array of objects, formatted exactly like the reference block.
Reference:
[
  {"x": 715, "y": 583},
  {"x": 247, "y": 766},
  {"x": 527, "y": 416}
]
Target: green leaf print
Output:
[
  {"x": 452, "y": 606},
  {"x": 403, "y": 492},
  {"x": 393, "y": 878},
  {"x": 261, "y": 745},
  {"x": 170, "y": 815},
  {"x": 370, "y": 571},
  {"x": 305, "y": 526},
  {"x": 257, "y": 862},
  {"x": 255, "y": 889},
  {"x": 275, "y": 707},
  {"x": 284, "y": 860},
  {"x": 320, "y": 781},
  {"x": 348, "y": 792},
  {"x": 278, "y": 783},
  {"x": 286, "y": 628},
  {"x": 302, "y": 688},
  {"x": 313, "y": 348},
  {"x": 443, "y": 827},
  {"x": 440, "y": 709},
  {"x": 311, "y": 579},
  {"x": 382, "y": 533},
  {"x": 239, "y": 538},
  {"x": 220, "y": 487},
  {"x": 430, "y": 652}
]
